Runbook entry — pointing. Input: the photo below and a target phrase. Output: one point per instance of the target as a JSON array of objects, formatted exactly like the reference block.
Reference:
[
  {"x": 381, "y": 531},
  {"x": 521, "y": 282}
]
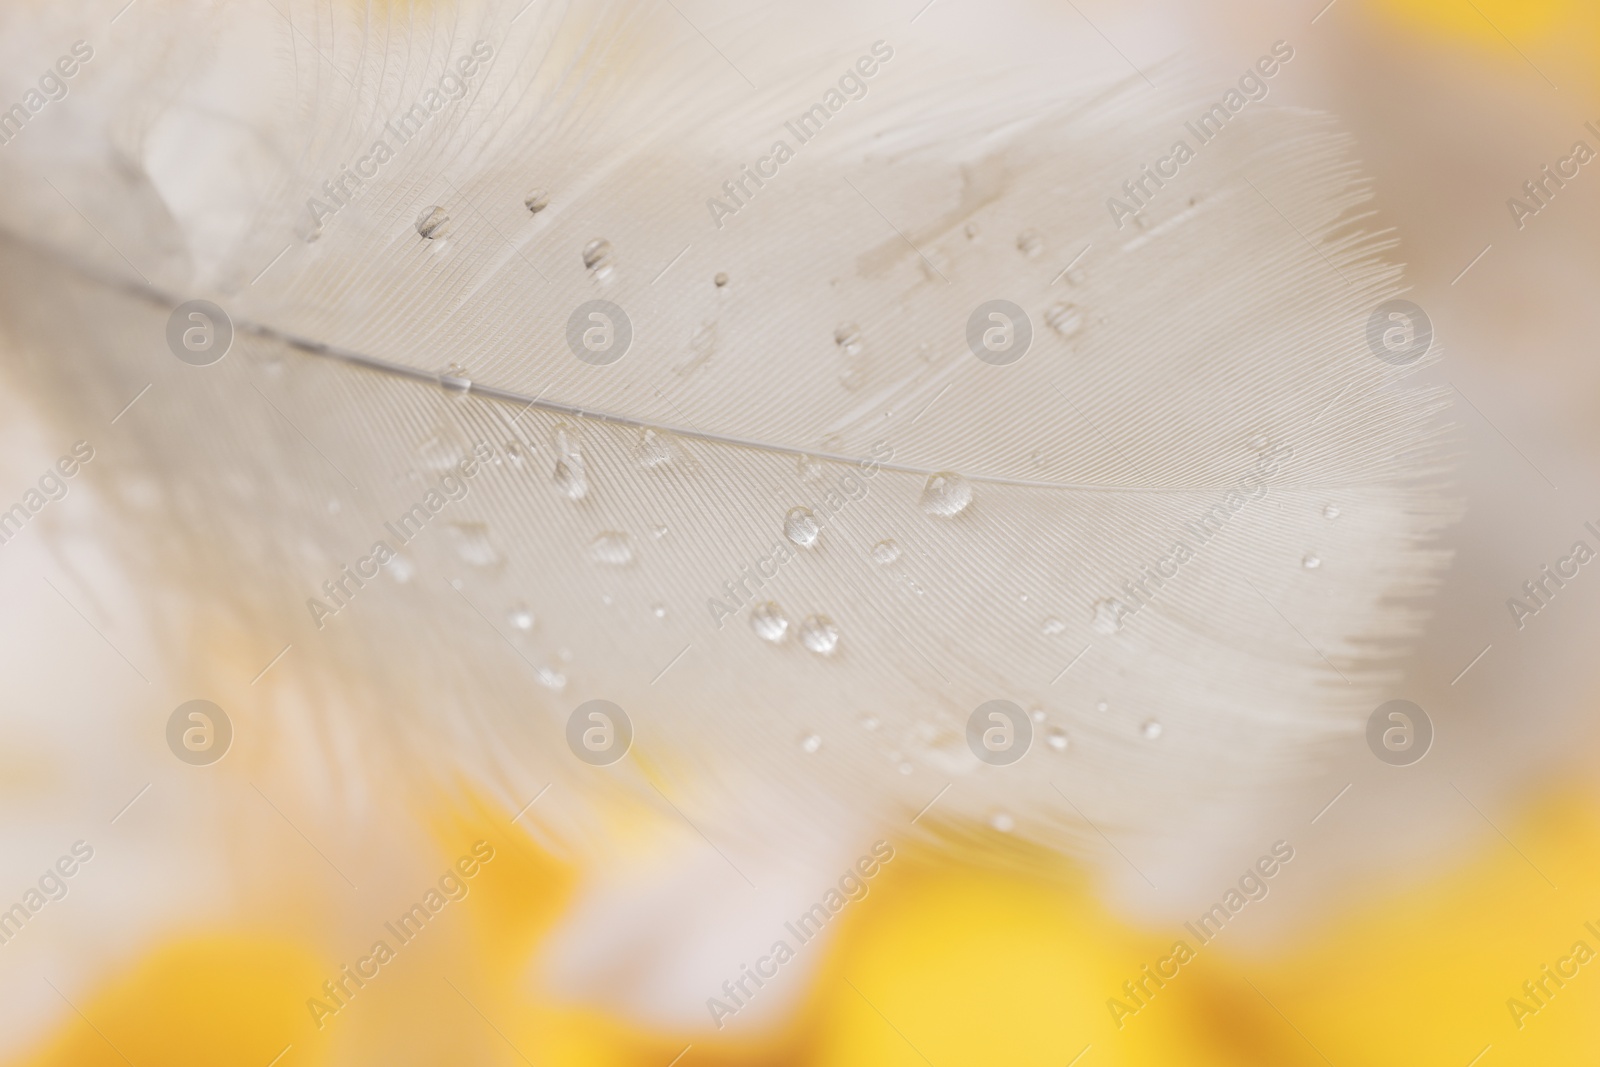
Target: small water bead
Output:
[
  {"x": 433, "y": 223},
  {"x": 810, "y": 743},
  {"x": 946, "y": 495},
  {"x": 658, "y": 532},
  {"x": 400, "y": 568},
  {"x": 1331, "y": 511},
  {"x": 1003, "y": 822},
  {"x": 1030, "y": 243},
  {"x": 1311, "y": 562},
  {"x": 536, "y": 201},
  {"x": 886, "y": 552},
  {"x": 550, "y": 678},
  {"x": 612, "y": 548},
  {"x": 607, "y": 599},
  {"x": 848, "y": 338},
  {"x": 473, "y": 546},
  {"x": 1108, "y": 615},
  {"x": 453, "y": 379},
  {"x": 1053, "y": 625},
  {"x": 971, "y": 230},
  {"x": 870, "y": 723},
  {"x": 652, "y": 450},
  {"x": 819, "y": 634},
  {"x": 1150, "y": 730},
  {"x": 1102, "y": 706},
  {"x": 721, "y": 280},
  {"x": 769, "y": 622},
  {"x": 569, "y": 473},
  {"x": 520, "y": 617},
  {"x": 800, "y": 526},
  {"x": 597, "y": 255},
  {"x": 658, "y": 610},
  {"x": 1056, "y": 738},
  {"x": 1064, "y": 319},
  {"x": 1037, "y": 715}
]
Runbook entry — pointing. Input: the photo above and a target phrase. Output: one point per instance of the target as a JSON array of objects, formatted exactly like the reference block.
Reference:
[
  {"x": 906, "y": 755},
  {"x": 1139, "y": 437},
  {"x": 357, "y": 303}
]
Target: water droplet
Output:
[
  {"x": 658, "y": 532},
  {"x": 520, "y": 617},
  {"x": 1311, "y": 562},
  {"x": 869, "y": 723},
  {"x": 1053, "y": 625},
  {"x": 886, "y": 552},
  {"x": 473, "y": 546},
  {"x": 597, "y": 255},
  {"x": 658, "y": 610},
  {"x": 1102, "y": 706},
  {"x": 550, "y": 678},
  {"x": 516, "y": 453},
  {"x": 1030, "y": 243},
  {"x": 810, "y": 743},
  {"x": 433, "y": 223},
  {"x": 971, "y": 230},
  {"x": 652, "y": 449},
  {"x": 946, "y": 495},
  {"x": 1064, "y": 319},
  {"x": 569, "y": 474},
  {"x": 612, "y": 548},
  {"x": 536, "y": 201},
  {"x": 769, "y": 622},
  {"x": 800, "y": 526},
  {"x": 809, "y": 469},
  {"x": 721, "y": 280},
  {"x": 819, "y": 634},
  {"x": 848, "y": 338},
  {"x": 1056, "y": 738},
  {"x": 400, "y": 568},
  {"x": 607, "y": 599},
  {"x": 1108, "y": 615},
  {"x": 1037, "y": 715},
  {"x": 1003, "y": 822},
  {"x": 1150, "y": 730},
  {"x": 453, "y": 379},
  {"x": 1331, "y": 511}
]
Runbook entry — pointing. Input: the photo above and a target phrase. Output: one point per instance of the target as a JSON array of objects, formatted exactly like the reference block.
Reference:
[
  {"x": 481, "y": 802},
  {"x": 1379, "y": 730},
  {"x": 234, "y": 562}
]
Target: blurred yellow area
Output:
[
  {"x": 948, "y": 963},
  {"x": 941, "y": 963}
]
